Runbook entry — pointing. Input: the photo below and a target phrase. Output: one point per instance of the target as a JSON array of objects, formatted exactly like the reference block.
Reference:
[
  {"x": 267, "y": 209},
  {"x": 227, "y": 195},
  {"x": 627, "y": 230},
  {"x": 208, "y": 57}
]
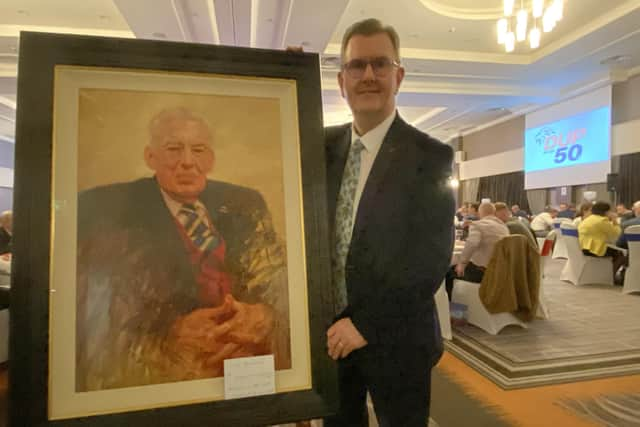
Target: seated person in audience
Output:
[
  {"x": 462, "y": 212},
  {"x": 624, "y": 214},
  {"x": 472, "y": 212},
  {"x": 513, "y": 224},
  {"x": 583, "y": 212},
  {"x": 622, "y": 240},
  {"x": 6, "y": 223},
  {"x": 483, "y": 235},
  {"x": 599, "y": 229},
  {"x": 517, "y": 212},
  {"x": 564, "y": 211},
  {"x": 472, "y": 215},
  {"x": 543, "y": 223}
]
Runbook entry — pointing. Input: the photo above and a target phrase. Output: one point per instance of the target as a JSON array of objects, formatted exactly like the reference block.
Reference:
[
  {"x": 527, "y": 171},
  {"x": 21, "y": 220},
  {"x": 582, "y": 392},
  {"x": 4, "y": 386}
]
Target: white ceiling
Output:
[{"x": 458, "y": 78}]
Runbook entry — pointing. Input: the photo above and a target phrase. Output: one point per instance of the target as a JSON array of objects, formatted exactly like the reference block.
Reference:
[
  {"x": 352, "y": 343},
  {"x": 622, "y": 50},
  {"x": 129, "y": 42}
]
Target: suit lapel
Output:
[
  {"x": 162, "y": 227},
  {"x": 389, "y": 150}
]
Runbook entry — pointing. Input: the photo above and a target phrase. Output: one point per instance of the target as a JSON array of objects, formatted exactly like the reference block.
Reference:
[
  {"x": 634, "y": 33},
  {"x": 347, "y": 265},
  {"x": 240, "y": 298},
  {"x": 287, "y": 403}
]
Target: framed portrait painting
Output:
[{"x": 170, "y": 215}]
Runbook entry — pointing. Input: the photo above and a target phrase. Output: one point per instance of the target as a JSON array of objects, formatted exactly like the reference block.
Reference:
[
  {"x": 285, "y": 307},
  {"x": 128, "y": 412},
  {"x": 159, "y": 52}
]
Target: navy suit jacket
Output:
[{"x": 402, "y": 237}]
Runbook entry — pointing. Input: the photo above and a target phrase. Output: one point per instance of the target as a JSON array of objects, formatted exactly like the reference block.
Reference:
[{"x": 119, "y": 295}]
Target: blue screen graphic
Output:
[{"x": 576, "y": 140}]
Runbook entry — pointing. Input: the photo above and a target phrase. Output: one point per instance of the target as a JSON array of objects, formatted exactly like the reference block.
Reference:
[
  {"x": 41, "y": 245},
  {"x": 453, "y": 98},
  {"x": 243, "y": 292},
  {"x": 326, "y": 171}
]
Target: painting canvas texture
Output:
[{"x": 177, "y": 237}]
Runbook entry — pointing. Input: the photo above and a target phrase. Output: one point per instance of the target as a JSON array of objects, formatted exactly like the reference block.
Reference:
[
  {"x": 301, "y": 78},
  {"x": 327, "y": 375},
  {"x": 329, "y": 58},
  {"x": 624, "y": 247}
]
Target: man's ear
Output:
[
  {"x": 150, "y": 158},
  {"x": 399, "y": 78}
]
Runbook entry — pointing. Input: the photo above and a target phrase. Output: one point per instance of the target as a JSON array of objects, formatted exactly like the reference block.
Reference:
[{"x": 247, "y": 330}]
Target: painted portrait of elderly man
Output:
[{"x": 176, "y": 271}]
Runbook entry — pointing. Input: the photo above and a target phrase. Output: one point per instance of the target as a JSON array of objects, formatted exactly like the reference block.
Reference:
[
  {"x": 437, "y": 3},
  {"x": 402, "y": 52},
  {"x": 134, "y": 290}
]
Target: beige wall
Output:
[
  {"x": 496, "y": 139},
  {"x": 626, "y": 100}
]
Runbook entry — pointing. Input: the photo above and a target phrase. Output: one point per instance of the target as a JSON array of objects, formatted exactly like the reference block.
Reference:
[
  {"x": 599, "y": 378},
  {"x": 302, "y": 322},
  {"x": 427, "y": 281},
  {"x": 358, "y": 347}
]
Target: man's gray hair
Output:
[
  {"x": 172, "y": 114},
  {"x": 486, "y": 209}
]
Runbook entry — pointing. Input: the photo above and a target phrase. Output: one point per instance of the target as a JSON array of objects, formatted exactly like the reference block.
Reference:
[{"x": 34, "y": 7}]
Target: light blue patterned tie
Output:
[{"x": 344, "y": 224}]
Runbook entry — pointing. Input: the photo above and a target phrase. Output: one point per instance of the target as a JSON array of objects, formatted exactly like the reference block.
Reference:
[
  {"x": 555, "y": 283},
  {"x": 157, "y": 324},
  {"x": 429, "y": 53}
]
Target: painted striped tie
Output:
[{"x": 194, "y": 221}]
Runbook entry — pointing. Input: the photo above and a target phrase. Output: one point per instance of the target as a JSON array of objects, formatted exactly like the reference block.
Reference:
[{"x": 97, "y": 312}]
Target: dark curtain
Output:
[
  {"x": 507, "y": 188},
  {"x": 629, "y": 179}
]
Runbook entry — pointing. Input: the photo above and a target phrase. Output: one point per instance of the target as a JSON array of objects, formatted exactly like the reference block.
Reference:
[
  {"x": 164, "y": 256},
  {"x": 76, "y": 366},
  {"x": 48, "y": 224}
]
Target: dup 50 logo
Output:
[{"x": 565, "y": 147}]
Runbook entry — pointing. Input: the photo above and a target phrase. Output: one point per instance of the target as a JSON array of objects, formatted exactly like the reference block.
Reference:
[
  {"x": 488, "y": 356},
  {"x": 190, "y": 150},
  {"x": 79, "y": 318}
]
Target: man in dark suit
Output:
[
  {"x": 6, "y": 221},
  {"x": 177, "y": 272},
  {"x": 622, "y": 240},
  {"x": 391, "y": 211}
]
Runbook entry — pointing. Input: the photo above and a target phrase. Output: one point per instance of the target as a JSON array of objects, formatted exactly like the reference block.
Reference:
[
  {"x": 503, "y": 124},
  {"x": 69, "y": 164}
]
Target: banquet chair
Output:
[
  {"x": 581, "y": 269},
  {"x": 632, "y": 276},
  {"x": 545, "y": 255},
  {"x": 468, "y": 294},
  {"x": 560, "y": 248}
]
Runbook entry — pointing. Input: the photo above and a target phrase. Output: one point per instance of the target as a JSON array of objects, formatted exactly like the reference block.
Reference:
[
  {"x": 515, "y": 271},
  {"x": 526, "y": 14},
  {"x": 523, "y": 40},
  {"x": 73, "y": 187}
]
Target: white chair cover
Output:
[
  {"x": 632, "y": 276},
  {"x": 467, "y": 293},
  {"x": 581, "y": 269},
  {"x": 543, "y": 310},
  {"x": 560, "y": 248}
]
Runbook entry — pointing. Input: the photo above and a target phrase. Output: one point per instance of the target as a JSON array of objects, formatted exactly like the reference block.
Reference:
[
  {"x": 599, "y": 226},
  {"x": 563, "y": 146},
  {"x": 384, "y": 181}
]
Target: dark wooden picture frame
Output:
[{"x": 33, "y": 206}]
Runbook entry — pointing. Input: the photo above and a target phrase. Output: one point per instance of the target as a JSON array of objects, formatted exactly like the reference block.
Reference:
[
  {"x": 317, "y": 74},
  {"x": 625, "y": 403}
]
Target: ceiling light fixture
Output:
[
  {"x": 508, "y": 7},
  {"x": 503, "y": 27},
  {"x": 544, "y": 15}
]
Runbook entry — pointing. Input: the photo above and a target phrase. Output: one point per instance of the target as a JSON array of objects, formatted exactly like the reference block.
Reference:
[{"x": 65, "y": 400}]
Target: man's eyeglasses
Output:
[{"x": 380, "y": 66}]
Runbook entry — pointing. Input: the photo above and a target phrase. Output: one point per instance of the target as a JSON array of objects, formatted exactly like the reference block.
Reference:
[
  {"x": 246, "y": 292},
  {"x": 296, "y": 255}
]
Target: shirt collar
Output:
[
  {"x": 174, "y": 206},
  {"x": 372, "y": 140}
]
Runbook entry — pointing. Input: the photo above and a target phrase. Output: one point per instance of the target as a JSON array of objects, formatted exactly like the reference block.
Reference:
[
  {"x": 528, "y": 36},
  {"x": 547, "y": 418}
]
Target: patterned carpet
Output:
[
  {"x": 619, "y": 410},
  {"x": 592, "y": 333}
]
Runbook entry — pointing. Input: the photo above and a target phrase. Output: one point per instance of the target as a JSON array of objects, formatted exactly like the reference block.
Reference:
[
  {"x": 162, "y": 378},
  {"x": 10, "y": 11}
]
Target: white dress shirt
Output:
[
  {"x": 174, "y": 207},
  {"x": 542, "y": 222},
  {"x": 372, "y": 142}
]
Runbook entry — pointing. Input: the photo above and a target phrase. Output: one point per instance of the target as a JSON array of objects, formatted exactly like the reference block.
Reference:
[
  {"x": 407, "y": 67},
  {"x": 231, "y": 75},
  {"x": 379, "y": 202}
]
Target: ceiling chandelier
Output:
[{"x": 513, "y": 26}]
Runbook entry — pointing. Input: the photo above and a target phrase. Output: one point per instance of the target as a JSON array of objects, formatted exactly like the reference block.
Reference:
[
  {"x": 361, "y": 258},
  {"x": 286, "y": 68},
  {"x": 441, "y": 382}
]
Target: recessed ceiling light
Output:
[
  {"x": 159, "y": 35},
  {"x": 452, "y": 29},
  {"x": 616, "y": 59}
]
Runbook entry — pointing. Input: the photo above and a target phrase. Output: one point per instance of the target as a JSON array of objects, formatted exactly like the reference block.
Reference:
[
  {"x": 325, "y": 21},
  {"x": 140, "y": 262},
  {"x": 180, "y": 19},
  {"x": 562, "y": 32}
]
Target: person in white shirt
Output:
[
  {"x": 483, "y": 235},
  {"x": 543, "y": 223}
]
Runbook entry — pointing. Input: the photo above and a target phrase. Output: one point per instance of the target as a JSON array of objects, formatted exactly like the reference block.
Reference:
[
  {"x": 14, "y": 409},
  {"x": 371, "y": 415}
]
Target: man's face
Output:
[
  {"x": 515, "y": 208},
  {"x": 181, "y": 157},
  {"x": 370, "y": 93},
  {"x": 563, "y": 207},
  {"x": 503, "y": 214},
  {"x": 620, "y": 209}
]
